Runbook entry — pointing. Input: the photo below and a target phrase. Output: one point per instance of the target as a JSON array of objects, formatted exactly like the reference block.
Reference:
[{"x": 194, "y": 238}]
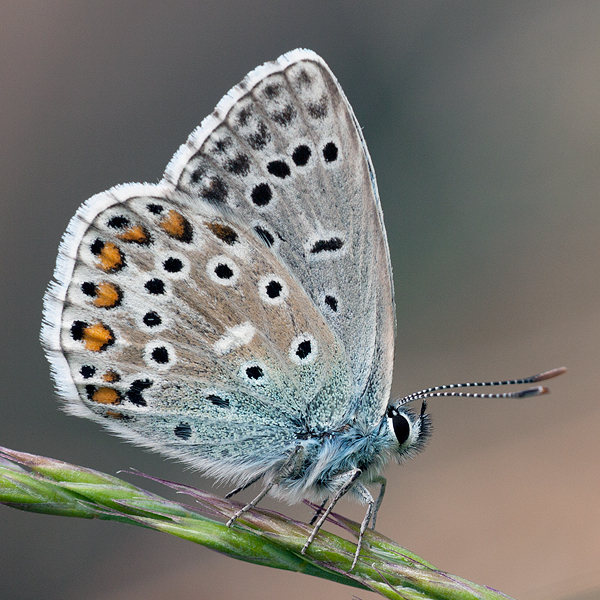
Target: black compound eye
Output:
[{"x": 401, "y": 427}]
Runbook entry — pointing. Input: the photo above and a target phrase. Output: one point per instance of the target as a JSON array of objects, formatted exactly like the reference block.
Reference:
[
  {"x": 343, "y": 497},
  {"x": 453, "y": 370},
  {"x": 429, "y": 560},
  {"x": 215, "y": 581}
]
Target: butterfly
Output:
[{"x": 239, "y": 315}]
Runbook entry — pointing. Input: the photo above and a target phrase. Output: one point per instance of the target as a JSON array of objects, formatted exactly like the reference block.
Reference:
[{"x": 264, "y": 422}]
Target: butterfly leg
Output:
[
  {"x": 368, "y": 499},
  {"x": 382, "y": 481},
  {"x": 351, "y": 477},
  {"x": 318, "y": 512},
  {"x": 252, "y": 503},
  {"x": 287, "y": 467},
  {"x": 241, "y": 488}
]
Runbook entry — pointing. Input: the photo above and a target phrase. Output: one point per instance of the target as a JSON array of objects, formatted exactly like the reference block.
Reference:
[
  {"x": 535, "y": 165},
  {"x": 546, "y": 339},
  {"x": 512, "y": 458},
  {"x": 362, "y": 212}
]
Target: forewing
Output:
[{"x": 284, "y": 151}]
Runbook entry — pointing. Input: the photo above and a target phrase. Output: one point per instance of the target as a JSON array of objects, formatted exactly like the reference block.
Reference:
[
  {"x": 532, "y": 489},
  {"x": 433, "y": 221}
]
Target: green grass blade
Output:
[{"x": 44, "y": 485}]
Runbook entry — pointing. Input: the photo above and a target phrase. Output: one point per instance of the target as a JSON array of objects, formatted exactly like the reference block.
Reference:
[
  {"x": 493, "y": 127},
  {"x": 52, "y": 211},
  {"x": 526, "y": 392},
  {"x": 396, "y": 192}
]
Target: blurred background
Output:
[{"x": 483, "y": 122}]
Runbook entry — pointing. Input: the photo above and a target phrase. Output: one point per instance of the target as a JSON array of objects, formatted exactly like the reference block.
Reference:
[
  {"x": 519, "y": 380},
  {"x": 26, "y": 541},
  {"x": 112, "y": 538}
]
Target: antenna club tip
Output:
[
  {"x": 534, "y": 391},
  {"x": 549, "y": 374}
]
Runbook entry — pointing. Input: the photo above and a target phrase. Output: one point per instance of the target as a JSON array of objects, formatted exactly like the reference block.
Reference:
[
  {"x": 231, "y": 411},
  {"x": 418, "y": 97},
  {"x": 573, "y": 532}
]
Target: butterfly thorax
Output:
[{"x": 325, "y": 456}]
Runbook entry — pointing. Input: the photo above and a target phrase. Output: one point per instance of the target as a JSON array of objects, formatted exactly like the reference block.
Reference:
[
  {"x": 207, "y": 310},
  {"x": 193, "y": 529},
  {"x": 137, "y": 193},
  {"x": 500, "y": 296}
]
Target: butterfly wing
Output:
[
  {"x": 284, "y": 151},
  {"x": 183, "y": 331},
  {"x": 219, "y": 315}
]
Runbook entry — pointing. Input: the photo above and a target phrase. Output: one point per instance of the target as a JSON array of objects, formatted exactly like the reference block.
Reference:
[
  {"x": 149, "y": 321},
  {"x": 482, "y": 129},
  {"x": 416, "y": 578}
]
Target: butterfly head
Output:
[{"x": 410, "y": 430}]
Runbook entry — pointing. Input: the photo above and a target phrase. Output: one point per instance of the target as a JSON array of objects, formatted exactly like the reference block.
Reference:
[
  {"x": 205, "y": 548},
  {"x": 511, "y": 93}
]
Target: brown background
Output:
[{"x": 483, "y": 121}]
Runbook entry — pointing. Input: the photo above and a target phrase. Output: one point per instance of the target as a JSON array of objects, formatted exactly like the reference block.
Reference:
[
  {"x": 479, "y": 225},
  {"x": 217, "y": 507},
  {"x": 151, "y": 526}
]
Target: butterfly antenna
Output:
[{"x": 538, "y": 390}]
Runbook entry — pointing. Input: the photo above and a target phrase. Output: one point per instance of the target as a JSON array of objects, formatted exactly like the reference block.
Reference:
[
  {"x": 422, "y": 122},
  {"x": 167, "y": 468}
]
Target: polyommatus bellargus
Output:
[{"x": 239, "y": 315}]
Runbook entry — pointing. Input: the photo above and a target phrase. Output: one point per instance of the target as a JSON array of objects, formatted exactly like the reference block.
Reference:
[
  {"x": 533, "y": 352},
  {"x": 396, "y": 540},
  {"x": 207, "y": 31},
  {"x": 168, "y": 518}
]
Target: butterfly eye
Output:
[{"x": 400, "y": 425}]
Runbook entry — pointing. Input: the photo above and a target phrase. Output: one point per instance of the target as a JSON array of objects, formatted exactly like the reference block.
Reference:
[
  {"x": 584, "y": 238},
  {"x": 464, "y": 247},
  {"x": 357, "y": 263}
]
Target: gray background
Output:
[{"x": 483, "y": 121}]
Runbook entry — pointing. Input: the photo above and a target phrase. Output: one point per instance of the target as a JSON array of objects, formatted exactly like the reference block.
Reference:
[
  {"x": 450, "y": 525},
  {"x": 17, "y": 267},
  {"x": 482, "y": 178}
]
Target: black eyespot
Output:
[
  {"x": 155, "y": 209},
  {"x": 160, "y": 355},
  {"x": 240, "y": 165},
  {"x": 155, "y": 286},
  {"x": 303, "y": 349},
  {"x": 301, "y": 155},
  {"x": 87, "y": 371},
  {"x": 96, "y": 246},
  {"x": 401, "y": 427},
  {"x": 215, "y": 191},
  {"x": 196, "y": 175},
  {"x": 173, "y": 265},
  {"x": 273, "y": 289},
  {"x": 272, "y": 91},
  {"x": 223, "y": 271},
  {"x": 261, "y": 138},
  {"x": 183, "y": 431},
  {"x": 330, "y": 245},
  {"x": 279, "y": 168},
  {"x": 284, "y": 117},
  {"x": 77, "y": 330},
  {"x": 265, "y": 235},
  {"x": 218, "y": 401},
  {"x": 254, "y": 372},
  {"x": 304, "y": 80},
  {"x": 223, "y": 144},
  {"x": 118, "y": 222},
  {"x": 319, "y": 109},
  {"x": 332, "y": 302},
  {"x": 134, "y": 393},
  {"x": 330, "y": 152},
  {"x": 88, "y": 288},
  {"x": 152, "y": 319},
  {"x": 261, "y": 194}
]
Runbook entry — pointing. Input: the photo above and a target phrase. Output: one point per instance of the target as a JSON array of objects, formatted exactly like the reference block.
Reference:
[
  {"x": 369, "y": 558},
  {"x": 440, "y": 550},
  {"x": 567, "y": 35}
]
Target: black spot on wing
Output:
[{"x": 329, "y": 245}]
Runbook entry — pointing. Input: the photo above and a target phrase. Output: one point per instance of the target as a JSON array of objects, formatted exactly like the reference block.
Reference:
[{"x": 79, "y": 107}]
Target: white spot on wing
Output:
[{"x": 234, "y": 337}]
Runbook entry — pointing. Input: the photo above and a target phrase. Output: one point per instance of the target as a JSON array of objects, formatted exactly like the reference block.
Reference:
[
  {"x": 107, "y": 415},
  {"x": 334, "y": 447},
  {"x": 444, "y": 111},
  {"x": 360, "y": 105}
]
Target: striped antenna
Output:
[{"x": 538, "y": 390}]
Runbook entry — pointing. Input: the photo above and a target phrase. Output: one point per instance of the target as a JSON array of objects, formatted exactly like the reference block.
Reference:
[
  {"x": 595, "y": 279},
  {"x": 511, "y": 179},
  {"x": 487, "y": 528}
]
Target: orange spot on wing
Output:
[
  {"x": 177, "y": 226},
  {"x": 111, "y": 377},
  {"x": 110, "y": 258},
  {"x": 107, "y": 295},
  {"x": 135, "y": 234},
  {"x": 106, "y": 395},
  {"x": 97, "y": 337},
  {"x": 113, "y": 414},
  {"x": 223, "y": 232}
]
